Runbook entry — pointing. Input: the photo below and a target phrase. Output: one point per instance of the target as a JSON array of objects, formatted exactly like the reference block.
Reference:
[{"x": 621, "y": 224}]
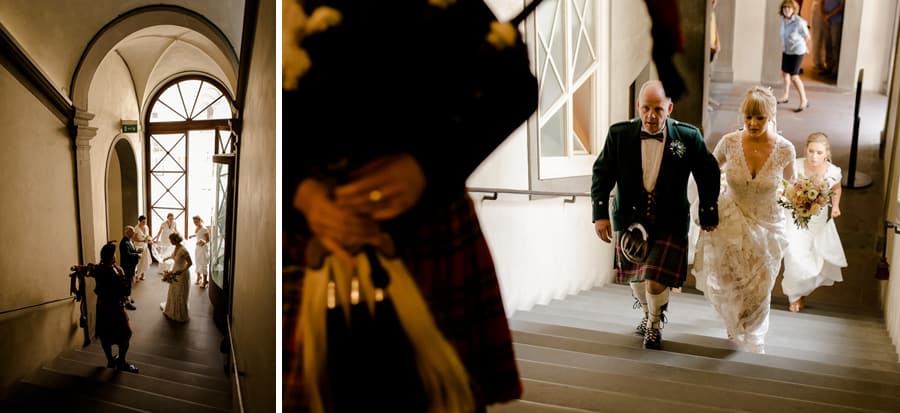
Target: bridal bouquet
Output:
[
  {"x": 805, "y": 198},
  {"x": 168, "y": 276}
]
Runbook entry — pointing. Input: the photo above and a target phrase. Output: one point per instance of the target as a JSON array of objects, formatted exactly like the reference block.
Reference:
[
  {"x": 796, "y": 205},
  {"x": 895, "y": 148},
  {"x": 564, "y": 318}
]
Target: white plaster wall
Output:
[
  {"x": 112, "y": 99},
  {"x": 55, "y": 33},
  {"x": 39, "y": 232},
  {"x": 181, "y": 58},
  {"x": 875, "y": 36},
  {"x": 506, "y": 167},
  {"x": 749, "y": 38},
  {"x": 255, "y": 297}
]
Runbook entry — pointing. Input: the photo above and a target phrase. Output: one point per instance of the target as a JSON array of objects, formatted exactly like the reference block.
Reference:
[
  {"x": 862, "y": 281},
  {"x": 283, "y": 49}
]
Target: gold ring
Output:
[{"x": 375, "y": 195}]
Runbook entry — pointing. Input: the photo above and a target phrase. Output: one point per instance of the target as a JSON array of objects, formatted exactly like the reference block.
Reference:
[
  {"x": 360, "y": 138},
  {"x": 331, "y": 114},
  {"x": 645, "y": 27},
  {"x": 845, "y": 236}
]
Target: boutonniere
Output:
[{"x": 677, "y": 148}]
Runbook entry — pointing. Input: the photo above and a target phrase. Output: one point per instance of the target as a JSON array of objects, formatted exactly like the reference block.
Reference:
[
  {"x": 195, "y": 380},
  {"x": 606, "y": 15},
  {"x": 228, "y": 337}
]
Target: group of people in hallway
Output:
[
  {"x": 115, "y": 282},
  {"x": 797, "y": 39},
  {"x": 746, "y": 233}
]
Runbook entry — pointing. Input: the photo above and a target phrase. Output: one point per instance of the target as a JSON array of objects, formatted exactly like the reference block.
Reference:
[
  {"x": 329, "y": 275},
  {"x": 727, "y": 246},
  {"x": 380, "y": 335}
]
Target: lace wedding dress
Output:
[
  {"x": 736, "y": 265},
  {"x": 815, "y": 255},
  {"x": 176, "y": 304}
]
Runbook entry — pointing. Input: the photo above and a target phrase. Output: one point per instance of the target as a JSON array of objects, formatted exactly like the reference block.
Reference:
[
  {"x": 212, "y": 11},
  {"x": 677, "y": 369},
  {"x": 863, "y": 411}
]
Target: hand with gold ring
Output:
[
  {"x": 384, "y": 188},
  {"x": 338, "y": 228}
]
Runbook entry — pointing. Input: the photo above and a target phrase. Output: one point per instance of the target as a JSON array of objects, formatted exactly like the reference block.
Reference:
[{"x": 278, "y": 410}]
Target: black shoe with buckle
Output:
[{"x": 653, "y": 339}]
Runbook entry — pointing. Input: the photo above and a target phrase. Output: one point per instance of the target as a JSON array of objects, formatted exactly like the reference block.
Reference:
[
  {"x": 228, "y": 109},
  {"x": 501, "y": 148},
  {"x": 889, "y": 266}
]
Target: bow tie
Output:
[{"x": 648, "y": 135}]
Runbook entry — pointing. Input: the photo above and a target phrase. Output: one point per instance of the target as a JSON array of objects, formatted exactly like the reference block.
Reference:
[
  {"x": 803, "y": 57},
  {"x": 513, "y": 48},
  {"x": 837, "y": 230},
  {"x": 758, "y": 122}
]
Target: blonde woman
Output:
[
  {"x": 176, "y": 305},
  {"x": 815, "y": 255},
  {"x": 736, "y": 265},
  {"x": 201, "y": 252}
]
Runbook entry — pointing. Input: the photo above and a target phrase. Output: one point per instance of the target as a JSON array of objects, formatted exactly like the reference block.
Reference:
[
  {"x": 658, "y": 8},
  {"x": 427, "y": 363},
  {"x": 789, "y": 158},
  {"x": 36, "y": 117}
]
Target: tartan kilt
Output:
[
  {"x": 444, "y": 250},
  {"x": 666, "y": 262},
  {"x": 112, "y": 322}
]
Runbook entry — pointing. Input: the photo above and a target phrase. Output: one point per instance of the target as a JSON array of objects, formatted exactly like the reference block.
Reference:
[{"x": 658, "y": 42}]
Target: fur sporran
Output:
[{"x": 370, "y": 342}]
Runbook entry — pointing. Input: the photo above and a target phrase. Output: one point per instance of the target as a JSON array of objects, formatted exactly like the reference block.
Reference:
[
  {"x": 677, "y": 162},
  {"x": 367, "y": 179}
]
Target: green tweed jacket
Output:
[{"x": 619, "y": 165}]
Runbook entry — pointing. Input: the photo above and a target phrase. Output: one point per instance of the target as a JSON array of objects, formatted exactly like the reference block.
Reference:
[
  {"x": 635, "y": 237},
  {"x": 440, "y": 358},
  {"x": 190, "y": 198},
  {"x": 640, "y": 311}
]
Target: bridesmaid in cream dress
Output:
[
  {"x": 142, "y": 239},
  {"x": 815, "y": 255},
  {"x": 201, "y": 252},
  {"x": 176, "y": 305}
]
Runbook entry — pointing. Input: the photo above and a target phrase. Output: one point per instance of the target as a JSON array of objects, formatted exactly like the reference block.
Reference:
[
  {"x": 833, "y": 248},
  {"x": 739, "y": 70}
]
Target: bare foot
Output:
[{"x": 796, "y": 306}]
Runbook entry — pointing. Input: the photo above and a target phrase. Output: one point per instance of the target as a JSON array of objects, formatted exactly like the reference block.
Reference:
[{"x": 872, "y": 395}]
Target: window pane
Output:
[
  {"x": 172, "y": 98},
  {"x": 189, "y": 92},
  {"x": 582, "y": 112},
  {"x": 162, "y": 113},
  {"x": 209, "y": 97},
  {"x": 553, "y": 135},
  {"x": 581, "y": 24},
  {"x": 551, "y": 52},
  {"x": 167, "y": 152}
]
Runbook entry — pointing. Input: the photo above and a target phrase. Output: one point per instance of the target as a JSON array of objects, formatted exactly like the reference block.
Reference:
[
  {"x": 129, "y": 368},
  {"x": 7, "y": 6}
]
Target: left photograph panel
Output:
[{"x": 137, "y": 260}]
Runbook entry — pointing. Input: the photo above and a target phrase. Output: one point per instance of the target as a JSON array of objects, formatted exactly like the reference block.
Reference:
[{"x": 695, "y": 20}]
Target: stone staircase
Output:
[
  {"x": 181, "y": 367},
  {"x": 579, "y": 354}
]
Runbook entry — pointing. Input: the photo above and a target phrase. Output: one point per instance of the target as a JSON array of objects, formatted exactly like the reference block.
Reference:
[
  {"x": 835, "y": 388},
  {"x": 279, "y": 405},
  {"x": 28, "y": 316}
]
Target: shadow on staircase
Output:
[{"x": 181, "y": 367}]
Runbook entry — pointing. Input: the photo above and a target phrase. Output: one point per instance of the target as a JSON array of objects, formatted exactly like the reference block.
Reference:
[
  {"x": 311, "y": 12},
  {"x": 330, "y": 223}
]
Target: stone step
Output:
[
  {"x": 140, "y": 358},
  {"x": 725, "y": 349},
  {"x": 525, "y": 406},
  {"x": 177, "y": 374},
  {"x": 33, "y": 398},
  {"x": 555, "y": 349},
  {"x": 714, "y": 393},
  {"x": 823, "y": 314},
  {"x": 119, "y": 394},
  {"x": 622, "y": 295},
  {"x": 721, "y": 342},
  {"x": 106, "y": 376},
  {"x": 861, "y": 346},
  {"x": 582, "y": 398}
]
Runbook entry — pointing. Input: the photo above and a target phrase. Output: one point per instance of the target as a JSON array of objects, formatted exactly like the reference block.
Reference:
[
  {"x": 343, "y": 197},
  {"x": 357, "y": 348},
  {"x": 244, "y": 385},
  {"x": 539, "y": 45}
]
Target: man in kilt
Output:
[{"x": 649, "y": 160}]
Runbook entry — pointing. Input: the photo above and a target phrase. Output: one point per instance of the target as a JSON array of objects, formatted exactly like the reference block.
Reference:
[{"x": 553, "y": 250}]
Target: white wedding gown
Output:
[
  {"x": 176, "y": 304},
  {"x": 737, "y": 263},
  {"x": 815, "y": 255}
]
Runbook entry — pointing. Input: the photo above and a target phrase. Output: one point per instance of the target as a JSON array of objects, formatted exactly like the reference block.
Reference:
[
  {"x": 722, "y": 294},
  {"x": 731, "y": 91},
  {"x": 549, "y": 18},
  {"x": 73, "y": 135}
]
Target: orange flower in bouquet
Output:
[{"x": 805, "y": 198}]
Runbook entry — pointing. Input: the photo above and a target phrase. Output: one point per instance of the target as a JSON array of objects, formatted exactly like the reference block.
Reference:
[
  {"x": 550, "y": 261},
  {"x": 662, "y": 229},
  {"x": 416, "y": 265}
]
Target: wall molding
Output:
[{"x": 17, "y": 61}]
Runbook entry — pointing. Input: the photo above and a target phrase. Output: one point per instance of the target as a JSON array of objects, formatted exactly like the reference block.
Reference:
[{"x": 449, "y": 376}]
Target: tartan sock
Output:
[
  {"x": 639, "y": 291},
  {"x": 655, "y": 302}
]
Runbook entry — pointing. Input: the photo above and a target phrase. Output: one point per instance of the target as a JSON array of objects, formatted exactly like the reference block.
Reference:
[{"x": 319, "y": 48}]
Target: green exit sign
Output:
[{"x": 129, "y": 128}]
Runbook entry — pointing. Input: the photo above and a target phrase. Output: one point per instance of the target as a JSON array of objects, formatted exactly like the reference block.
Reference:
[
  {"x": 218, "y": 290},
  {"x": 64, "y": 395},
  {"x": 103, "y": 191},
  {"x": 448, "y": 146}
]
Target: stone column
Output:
[{"x": 82, "y": 134}]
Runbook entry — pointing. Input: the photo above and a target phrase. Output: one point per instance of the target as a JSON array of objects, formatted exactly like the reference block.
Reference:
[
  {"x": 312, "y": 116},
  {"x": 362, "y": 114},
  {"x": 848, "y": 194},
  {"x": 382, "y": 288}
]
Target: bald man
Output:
[
  {"x": 129, "y": 257},
  {"x": 649, "y": 160}
]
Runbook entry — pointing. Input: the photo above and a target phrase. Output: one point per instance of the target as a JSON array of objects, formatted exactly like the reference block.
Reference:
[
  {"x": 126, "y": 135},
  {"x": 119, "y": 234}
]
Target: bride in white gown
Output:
[
  {"x": 815, "y": 255},
  {"x": 176, "y": 304},
  {"x": 737, "y": 263}
]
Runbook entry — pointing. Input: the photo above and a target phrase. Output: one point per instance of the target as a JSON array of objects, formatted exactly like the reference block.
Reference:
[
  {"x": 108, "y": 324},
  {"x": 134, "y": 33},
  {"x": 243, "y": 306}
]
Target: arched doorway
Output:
[{"x": 122, "y": 206}]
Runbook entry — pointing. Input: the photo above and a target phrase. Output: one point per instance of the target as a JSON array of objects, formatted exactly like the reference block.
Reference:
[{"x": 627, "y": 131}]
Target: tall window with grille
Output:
[
  {"x": 188, "y": 118},
  {"x": 564, "y": 41}
]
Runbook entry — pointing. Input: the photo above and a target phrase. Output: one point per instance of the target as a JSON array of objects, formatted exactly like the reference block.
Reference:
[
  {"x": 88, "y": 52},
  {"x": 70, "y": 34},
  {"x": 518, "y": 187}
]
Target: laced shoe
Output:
[
  {"x": 641, "y": 328},
  {"x": 653, "y": 339}
]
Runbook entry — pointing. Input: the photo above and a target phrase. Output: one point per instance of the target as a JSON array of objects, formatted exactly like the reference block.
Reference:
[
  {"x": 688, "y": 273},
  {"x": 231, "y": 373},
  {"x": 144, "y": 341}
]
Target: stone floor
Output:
[{"x": 860, "y": 225}]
